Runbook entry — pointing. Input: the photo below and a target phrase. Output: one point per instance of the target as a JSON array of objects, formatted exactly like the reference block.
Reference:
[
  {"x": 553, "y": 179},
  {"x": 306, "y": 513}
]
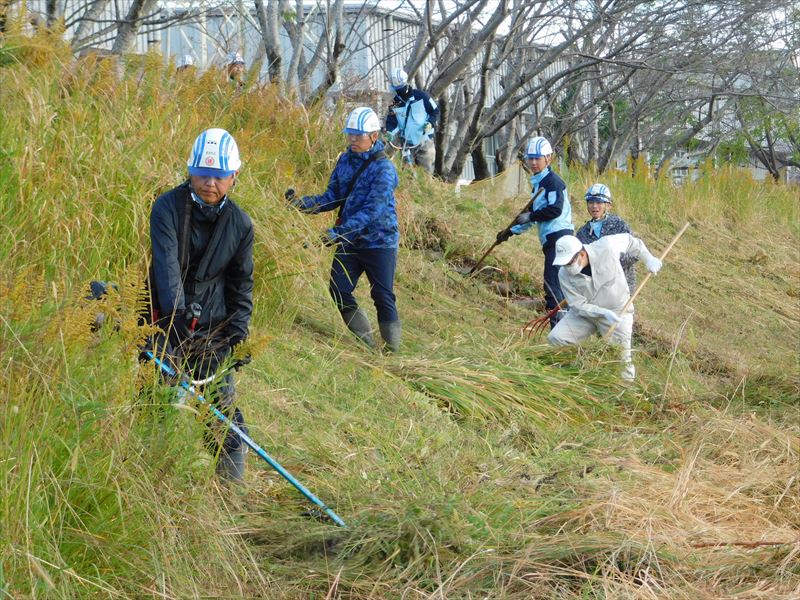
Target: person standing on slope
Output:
[
  {"x": 602, "y": 223},
  {"x": 366, "y": 234},
  {"x": 551, "y": 212},
  {"x": 202, "y": 246},
  {"x": 411, "y": 120},
  {"x": 594, "y": 284}
]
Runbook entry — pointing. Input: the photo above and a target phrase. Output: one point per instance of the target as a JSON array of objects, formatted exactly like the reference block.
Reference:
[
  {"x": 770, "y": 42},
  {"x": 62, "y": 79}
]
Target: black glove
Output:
[
  {"x": 289, "y": 194},
  {"x": 503, "y": 235},
  {"x": 177, "y": 329},
  {"x": 326, "y": 240}
]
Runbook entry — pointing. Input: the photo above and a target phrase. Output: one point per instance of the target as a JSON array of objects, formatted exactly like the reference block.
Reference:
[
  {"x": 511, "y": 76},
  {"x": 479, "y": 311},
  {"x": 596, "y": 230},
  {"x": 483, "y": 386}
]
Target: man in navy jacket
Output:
[
  {"x": 551, "y": 212},
  {"x": 202, "y": 245},
  {"x": 414, "y": 128}
]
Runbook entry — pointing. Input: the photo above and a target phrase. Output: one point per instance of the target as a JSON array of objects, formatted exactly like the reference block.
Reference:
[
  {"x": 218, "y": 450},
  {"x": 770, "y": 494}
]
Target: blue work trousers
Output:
[
  {"x": 552, "y": 288},
  {"x": 379, "y": 265}
]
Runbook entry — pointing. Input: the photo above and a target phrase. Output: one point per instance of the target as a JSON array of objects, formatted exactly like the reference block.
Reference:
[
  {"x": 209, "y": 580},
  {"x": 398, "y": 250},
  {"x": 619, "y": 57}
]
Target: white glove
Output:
[
  {"x": 653, "y": 264},
  {"x": 609, "y": 316}
]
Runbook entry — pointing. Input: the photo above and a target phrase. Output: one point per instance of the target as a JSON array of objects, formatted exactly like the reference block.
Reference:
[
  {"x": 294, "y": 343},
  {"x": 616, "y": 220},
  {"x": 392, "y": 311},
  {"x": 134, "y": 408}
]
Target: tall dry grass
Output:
[{"x": 474, "y": 464}]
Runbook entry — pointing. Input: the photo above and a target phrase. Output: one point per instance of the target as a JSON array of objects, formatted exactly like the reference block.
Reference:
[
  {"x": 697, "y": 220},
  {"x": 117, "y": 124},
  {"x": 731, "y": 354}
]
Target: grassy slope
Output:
[{"x": 475, "y": 464}]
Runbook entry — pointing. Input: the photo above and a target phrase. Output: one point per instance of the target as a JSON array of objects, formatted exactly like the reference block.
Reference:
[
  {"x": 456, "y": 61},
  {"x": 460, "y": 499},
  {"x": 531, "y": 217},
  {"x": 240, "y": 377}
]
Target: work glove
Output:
[
  {"x": 388, "y": 135},
  {"x": 289, "y": 194},
  {"x": 428, "y": 130},
  {"x": 177, "y": 330},
  {"x": 503, "y": 235},
  {"x": 609, "y": 316},
  {"x": 653, "y": 264},
  {"x": 522, "y": 218}
]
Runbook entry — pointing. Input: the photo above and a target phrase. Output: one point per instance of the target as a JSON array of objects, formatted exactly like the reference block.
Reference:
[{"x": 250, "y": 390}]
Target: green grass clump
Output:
[{"x": 476, "y": 463}]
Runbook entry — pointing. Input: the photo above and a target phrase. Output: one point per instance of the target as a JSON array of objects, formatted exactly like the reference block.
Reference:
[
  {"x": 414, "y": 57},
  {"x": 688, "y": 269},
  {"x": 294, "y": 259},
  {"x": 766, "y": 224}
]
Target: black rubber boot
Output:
[
  {"x": 230, "y": 465},
  {"x": 358, "y": 322},
  {"x": 391, "y": 333}
]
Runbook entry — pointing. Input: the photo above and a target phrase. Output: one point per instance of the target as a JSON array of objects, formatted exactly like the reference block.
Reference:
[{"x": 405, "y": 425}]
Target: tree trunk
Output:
[
  {"x": 127, "y": 30},
  {"x": 296, "y": 37},
  {"x": 93, "y": 13},
  {"x": 441, "y": 138},
  {"x": 480, "y": 166}
]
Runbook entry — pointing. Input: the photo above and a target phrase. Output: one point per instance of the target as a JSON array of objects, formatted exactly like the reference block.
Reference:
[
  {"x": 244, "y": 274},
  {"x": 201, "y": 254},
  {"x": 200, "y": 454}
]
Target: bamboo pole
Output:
[{"x": 646, "y": 279}]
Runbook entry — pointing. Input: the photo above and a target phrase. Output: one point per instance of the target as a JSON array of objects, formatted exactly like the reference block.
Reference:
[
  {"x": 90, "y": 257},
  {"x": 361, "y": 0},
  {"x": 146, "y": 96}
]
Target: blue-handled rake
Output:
[{"x": 188, "y": 387}]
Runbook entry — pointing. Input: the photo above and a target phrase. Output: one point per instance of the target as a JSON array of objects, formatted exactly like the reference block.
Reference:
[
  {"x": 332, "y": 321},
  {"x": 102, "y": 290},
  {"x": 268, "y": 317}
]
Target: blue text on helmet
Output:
[
  {"x": 234, "y": 58},
  {"x": 214, "y": 154}
]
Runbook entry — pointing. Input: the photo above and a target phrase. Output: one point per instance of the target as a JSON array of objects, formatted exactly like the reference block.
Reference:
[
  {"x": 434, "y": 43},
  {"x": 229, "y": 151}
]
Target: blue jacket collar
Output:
[
  {"x": 207, "y": 210},
  {"x": 376, "y": 147},
  {"x": 535, "y": 179}
]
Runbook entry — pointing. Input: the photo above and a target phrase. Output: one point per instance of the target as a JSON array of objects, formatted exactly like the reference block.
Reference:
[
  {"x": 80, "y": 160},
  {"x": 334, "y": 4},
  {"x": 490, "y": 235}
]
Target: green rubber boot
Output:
[
  {"x": 391, "y": 333},
  {"x": 358, "y": 322}
]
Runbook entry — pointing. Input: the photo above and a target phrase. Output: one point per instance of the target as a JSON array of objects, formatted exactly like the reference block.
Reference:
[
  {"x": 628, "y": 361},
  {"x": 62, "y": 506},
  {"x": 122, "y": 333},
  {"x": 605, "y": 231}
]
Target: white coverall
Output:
[{"x": 607, "y": 288}]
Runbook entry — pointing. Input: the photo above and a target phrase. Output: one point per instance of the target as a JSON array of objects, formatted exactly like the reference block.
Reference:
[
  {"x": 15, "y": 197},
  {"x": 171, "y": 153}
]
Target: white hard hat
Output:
[
  {"x": 566, "y": 249},
  {"x": 538, "y": 147},
  {"x": 398, "y": 78},
  {"x": 214, "y": 154},
  {"x": 598, "y": 193},
  {"x": 185, "y": 61},
  {"x": 362, "y": 120},
  {"x": 234, "y": 58}
]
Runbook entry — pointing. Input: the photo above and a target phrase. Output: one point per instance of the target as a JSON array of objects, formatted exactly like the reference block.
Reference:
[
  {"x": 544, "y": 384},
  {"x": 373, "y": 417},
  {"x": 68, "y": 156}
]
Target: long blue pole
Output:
[{"x": 247, "y": 440}]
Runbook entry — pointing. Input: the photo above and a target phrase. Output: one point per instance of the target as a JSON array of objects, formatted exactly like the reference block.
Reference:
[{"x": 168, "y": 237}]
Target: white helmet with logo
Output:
[
  {"x": 598, "y": 193},
  {"x": 566, "y": 249},
  {"x": 362, "y": 120},
  {"x": 398, "y": 78},
  {"x": 538, "y": 147},
  {"x": 214, "y": 154}
]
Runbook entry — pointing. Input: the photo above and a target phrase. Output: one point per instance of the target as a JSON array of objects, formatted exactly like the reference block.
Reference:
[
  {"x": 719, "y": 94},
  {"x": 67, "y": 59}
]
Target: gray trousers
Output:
[
  {"x": 425, "y": 155},
  {"x": 574, "y": 328}
]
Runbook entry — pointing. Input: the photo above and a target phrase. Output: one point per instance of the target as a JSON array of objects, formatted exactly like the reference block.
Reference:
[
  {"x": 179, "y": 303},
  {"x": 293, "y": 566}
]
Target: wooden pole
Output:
[
  {"x": 526, "y": 208},
  {"x": 641, "y": 285}
]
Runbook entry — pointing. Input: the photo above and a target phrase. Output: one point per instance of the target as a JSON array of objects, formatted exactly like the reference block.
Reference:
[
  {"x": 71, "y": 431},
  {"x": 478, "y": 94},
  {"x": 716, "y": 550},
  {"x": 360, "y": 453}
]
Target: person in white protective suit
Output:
[{"x": 594, "y": 284}]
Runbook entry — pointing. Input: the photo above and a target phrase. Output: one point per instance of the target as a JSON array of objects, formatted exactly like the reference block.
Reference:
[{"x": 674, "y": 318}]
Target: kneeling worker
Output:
[{"x": 594, "y": 284}]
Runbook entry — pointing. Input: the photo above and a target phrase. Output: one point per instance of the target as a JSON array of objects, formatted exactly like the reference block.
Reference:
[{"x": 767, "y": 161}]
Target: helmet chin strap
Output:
[{"x": 214, "y": 209}]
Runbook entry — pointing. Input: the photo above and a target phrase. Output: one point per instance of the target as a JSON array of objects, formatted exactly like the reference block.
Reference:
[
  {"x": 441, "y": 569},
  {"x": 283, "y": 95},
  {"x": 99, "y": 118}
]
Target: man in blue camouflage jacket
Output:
[
  {"x": 366, "y": 234},
  {"x": 602, "y": 223}
]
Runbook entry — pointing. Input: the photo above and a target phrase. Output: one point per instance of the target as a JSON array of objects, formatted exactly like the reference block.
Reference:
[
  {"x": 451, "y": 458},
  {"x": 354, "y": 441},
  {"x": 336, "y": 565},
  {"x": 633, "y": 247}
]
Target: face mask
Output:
[{"x": 574, "y": 268}]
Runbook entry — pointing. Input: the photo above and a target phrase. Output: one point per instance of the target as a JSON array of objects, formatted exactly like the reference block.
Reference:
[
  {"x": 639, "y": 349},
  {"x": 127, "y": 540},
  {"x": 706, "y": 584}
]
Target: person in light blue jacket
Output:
[
  {"x": 551, "y": 212},
  {"x": 366, "y": 234}
]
